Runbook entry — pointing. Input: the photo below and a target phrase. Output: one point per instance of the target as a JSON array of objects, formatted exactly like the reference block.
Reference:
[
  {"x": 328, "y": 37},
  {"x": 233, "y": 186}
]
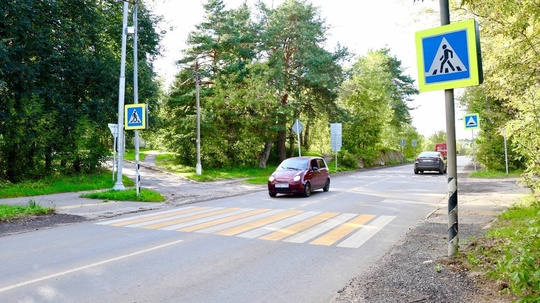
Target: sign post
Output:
[
  {"x": 297, "y": 127},
  {"x": 136, "y": 118},
  {"x": 335, "y": 138},
  {"x": 449, "y": 57},
  {"x": 472, "y": 122},
  {"x": 114, "y": 131}
]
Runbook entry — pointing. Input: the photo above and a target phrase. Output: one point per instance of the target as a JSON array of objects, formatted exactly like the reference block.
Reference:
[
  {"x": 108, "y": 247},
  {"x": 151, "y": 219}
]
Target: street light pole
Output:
[
  {"x": 119, "y": 185},
  {"x": 198, "y": 166}
]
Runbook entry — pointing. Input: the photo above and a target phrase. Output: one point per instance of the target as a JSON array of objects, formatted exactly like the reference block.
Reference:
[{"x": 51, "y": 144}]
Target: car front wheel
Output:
[{"x": 272, "y": 194}]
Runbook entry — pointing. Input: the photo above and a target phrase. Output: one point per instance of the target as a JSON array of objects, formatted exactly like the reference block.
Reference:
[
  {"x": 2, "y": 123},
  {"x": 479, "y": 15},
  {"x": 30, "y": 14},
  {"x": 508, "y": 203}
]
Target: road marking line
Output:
[
  {"x": 319, "y": 229},
  {"x": 87, "y": 266},
  {"x": 252, "y": 225},
  {"x": 250, "y": 212},
  {"x": 223, "y": 226},
  {"x": 108, "y": 222},
  {"x": 343, "y": 230},
  {"x": 294, "y": 229},
  {"x": 160, "y": 215},
  {"x": 363, "y": 235},
  {"x": 261, "y": 231},
  {"x": 189, "y": 218}
]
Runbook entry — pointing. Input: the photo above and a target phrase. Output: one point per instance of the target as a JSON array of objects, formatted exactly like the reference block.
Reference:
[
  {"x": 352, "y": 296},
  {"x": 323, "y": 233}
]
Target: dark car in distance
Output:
[
  {"x": 299, "y": 175},
  {"x": 430, "y": 161}
]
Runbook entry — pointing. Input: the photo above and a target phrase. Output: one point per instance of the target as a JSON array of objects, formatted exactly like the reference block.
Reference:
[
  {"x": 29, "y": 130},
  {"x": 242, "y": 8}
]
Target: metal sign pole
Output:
[
  {"x": 136, "y": 97},
  {"x": 114, "y": 157},
  {"x": 473, "y": 149},
  {"x": 453, "y": 239},
  {"x": 298, "y": 136}
]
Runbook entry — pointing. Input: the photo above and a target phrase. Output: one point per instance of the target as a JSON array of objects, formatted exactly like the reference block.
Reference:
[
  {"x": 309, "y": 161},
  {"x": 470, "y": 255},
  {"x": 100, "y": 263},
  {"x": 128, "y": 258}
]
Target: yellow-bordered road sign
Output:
[
  {"x": 136, "y": 116},
  {"x": 471, "y": 121},
  {"x": 449, "y": 56}
]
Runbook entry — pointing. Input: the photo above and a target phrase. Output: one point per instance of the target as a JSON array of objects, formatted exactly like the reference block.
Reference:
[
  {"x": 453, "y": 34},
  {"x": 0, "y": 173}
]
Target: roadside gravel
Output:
[{"x": 418, "y": 268}]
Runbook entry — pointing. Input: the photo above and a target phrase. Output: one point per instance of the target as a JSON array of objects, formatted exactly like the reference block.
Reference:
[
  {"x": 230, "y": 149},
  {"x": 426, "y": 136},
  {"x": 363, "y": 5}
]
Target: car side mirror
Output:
[{"x": 315, "y": 168}]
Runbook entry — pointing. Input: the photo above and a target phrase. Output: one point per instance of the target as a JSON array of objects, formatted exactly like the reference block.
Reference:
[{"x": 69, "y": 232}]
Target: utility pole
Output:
[{"x": 119, "y": 185}]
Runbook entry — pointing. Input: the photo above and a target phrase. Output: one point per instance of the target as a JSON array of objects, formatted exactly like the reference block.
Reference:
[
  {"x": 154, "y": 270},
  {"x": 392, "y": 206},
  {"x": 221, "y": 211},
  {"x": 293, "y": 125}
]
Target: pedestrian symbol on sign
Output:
[
  {"x": 134, "y": 118},
  {"x": 446, "y": 61}
]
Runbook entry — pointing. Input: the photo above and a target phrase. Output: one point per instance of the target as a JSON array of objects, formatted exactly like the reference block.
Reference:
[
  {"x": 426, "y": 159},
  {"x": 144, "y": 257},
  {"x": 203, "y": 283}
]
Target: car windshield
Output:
[
  {"x": 293, "y": 164},
  {"x": 429, "y": 154}
]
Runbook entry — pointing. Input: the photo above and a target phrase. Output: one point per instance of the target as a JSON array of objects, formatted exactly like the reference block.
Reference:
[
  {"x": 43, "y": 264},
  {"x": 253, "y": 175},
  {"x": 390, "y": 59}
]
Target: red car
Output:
[{"x": 299, "y": 175}]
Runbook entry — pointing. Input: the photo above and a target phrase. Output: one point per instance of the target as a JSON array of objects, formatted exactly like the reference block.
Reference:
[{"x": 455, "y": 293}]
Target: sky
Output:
[{"x": 358, "y": 25}]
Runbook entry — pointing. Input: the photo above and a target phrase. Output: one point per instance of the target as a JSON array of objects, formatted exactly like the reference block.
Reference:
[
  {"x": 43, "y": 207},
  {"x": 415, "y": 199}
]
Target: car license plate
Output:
[
  {"x": 428, "y": 160},
  {"x": 282, "y": 185}
]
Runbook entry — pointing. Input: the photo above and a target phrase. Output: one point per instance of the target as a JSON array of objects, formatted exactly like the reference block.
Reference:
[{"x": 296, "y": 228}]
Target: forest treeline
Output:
[{"x": 255, "y": 70}]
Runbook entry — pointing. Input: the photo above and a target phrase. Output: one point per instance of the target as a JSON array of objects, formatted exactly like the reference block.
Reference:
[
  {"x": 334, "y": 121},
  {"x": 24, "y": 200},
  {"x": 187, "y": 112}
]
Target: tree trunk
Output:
[
  {"x": 266, "y": 154},
  {"x": 305, "y": 141},
  {"x": 282, "y": 149},
  {"x": 293, "y": 145},
  {"x": 48, "y": 159}
]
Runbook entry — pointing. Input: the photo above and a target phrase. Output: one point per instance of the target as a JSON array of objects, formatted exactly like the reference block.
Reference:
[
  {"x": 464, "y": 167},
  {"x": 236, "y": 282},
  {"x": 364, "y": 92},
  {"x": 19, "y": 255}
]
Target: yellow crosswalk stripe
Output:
[
  {"x": 181, "y": 220},
  {"x": 342, "y": 231},
  {"x": 298, "y": 227},
  {"x": 160, "y": 216},
  {"x": 251, "y": 225},
  {"x": 222, "y": 220}
]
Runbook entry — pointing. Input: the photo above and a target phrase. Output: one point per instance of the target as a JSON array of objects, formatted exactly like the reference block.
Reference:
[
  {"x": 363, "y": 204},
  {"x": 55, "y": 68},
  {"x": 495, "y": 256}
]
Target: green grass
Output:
[
  {"x": 145, "y": 195},
  {"x": 10, "y": 212},
  {"x": 489, "y": 174},
  {"x": 510, "y": 251},
  {"x": 60, "y": 184},
  {"x": 130, "y": 154}
]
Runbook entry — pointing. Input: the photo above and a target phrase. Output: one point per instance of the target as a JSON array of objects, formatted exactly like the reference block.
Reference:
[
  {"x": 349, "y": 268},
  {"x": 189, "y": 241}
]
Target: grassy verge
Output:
[
  {"x": 10, "y": 212},
  {"x": 488, "y": 174},
  {"x": 510, "y": 251},
  {"x": 145, "y": 195},
  {"x": 60, "y": 184}
]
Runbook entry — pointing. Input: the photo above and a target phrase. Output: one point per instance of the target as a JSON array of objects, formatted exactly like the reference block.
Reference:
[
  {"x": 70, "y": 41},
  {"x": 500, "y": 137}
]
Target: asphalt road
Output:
[{"x": 247, "y": 248}]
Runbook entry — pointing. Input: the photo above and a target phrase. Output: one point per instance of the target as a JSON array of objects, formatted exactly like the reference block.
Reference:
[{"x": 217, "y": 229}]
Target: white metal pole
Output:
[
  {"x": 474, "y": 149},
  {"x": 136, "y": 96},
  {"x": 505, "y": 154},
  {"x": 298, "y": 136},
  {"x": 114, "y": 157},
  {"x": 198, "y": 167},
  {"x": 121, "y": 96}
]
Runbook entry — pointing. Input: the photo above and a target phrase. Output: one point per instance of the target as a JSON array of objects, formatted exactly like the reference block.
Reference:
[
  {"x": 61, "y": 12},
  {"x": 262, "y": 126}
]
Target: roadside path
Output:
[{"x": 177, "y": 191}]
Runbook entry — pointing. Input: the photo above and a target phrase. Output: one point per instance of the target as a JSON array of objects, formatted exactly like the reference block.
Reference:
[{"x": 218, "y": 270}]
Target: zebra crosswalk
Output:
[{"x": 288, "y": 225}]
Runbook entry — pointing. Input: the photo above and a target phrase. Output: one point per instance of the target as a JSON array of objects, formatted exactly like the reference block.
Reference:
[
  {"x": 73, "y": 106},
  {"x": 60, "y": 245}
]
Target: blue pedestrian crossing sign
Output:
[
  {"x": 449, "y": 56},
  {"x": 136, "y": 116},
  {"x": 471, "y": 121}
]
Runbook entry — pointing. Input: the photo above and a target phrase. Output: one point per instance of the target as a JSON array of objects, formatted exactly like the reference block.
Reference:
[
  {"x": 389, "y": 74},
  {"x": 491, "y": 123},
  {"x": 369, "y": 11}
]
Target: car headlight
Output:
[
  {"x": 296, "y": 178},
  {"x": 271, "y": 179}
]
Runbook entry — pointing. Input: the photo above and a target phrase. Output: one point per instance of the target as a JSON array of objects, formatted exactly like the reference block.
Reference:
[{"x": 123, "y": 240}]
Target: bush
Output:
[{"x": 348, "y": 160}]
